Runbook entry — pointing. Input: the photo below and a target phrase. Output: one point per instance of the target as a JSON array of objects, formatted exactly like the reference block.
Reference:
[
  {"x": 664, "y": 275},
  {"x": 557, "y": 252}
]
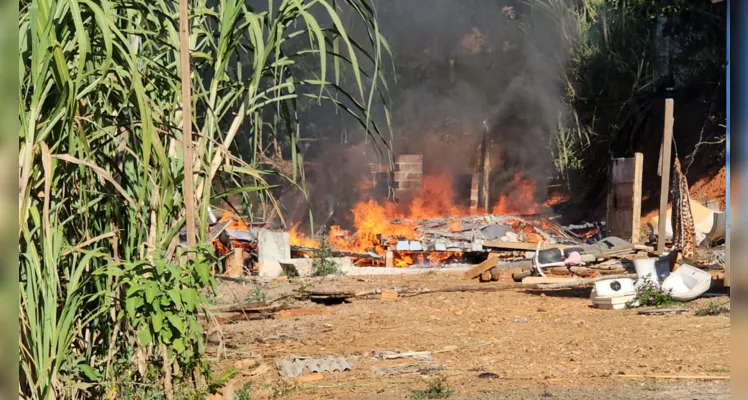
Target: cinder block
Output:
[
  {"x": 410, "y": 167},
  {"x": 400, "y": 176},
  {"x": 409, "y": 158},
  {"x": 272, "y": 247}
]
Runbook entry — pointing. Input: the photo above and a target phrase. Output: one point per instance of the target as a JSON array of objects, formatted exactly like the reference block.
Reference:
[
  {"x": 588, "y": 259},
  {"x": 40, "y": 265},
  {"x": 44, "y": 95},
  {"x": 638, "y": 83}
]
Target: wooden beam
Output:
[
  {"x": 485, "y": 170},
  {"x": 479, "y": 269},
  {"x": 498, "y": 244},
  {"x": 667, "y": 144}
]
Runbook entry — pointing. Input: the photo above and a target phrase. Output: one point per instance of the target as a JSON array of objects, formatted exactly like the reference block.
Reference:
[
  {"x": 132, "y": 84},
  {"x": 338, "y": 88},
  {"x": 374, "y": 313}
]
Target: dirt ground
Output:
[{"x": 566, "y": 350}]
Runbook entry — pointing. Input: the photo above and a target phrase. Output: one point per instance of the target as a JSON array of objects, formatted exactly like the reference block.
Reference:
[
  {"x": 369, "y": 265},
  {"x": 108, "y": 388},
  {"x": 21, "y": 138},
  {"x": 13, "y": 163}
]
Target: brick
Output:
[
  {"x": 409, "y": 167},
  {"x": 412, "y": 158},
  {"x": 400, "y": 176}
]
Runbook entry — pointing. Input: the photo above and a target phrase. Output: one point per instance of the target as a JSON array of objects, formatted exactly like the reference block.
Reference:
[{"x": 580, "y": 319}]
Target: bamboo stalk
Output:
[{"x": 189, "y": 191}]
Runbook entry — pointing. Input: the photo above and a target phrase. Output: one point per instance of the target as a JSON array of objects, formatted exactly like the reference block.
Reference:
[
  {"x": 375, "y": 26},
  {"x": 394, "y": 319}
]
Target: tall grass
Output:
[{"x": 100, "y": 160}]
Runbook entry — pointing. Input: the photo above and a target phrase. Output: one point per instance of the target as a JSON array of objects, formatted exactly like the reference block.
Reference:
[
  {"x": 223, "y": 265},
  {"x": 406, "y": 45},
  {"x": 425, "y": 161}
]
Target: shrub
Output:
[
  {"x": 438, "y": 388},
  {"x": 650, "y": 294},
  {"x": 323, "y": 264}
]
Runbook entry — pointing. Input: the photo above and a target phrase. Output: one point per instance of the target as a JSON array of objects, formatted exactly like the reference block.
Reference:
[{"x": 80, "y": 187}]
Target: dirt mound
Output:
[{"x": 705, "y": 189}]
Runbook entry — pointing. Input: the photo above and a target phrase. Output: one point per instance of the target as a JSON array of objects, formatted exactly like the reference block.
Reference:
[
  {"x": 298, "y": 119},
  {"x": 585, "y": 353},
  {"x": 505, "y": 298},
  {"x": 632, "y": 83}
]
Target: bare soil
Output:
[{"x": 567, "y": 350}]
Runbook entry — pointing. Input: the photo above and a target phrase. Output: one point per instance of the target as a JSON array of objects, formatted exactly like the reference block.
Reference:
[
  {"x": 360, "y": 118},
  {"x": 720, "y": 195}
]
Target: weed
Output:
[
  {"x": 651, "y": 294},
  {"x": 260, "y": 295},
  {"x": 245, "y": 392},
  {"x": 283, "y": 389},
  {"x": 323, "y": 264},
  {"x": 438, "y": 388},
  {"x": 713, "y": 308}
]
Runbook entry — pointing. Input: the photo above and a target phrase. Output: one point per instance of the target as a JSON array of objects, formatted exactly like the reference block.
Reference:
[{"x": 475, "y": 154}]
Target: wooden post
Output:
[
  {"x": 235, "y": 263},
  {"x": 624, "y": 198},
  {"x": 485, "y": 171},
  {"x": 637, "y": 200},
  {"x": 189, "y": 191},
  {"x": 665, "y": 163}
]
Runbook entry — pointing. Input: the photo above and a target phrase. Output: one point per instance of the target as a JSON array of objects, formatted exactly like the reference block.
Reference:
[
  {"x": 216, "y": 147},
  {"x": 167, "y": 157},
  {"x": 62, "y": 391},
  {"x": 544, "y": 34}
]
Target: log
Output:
[
  {"x": 519, "y": 276},
  {"x": 558, "y": 271},
  {"x": 485, "y": 276},
  {"x": 495, "y": 273}
]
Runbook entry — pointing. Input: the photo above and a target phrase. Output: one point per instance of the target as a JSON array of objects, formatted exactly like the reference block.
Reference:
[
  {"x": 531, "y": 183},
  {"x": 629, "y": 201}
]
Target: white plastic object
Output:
[
  {"x": 645, "y": 267},
  {"x": 687, "y": 283},
  {"x": 614, "y": 287}
]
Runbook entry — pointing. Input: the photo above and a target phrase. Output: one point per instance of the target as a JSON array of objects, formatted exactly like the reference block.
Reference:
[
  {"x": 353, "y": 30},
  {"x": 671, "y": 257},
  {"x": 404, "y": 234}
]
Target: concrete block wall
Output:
[
  {"x": 474, "y": 191},
  {"x": 408, "y": 175}
]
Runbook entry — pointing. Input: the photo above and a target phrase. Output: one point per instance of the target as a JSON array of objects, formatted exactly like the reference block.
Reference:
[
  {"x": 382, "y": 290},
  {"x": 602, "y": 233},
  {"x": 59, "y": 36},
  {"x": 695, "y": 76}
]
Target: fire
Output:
[
  {"x": 297, "y": 238},
  {"x": 373, "y": 221},
  {"x": 236, "y": 223},
  {"x": 519, "y": 199}
]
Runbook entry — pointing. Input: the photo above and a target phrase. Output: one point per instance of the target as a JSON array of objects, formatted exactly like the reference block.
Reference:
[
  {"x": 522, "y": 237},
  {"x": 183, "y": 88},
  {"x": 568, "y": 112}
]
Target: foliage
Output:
[
  {"x": 260, "y": 295},
  {"x": 650, "y": 294},
  {"x": 438, "y": 388},
  {"x": 323, "y": 264},
  {"x": 162, "y": 300},
  {"x": 713, "y": 308},
  {"x": 101, "y": 168},
  {"x": 620, "y": 60},
  {"x": 245, "y": 392}
]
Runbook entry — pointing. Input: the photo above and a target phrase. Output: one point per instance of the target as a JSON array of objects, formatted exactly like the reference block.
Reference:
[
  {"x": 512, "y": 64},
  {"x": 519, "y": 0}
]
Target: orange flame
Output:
[
  {"x": 520, "y": 198},
  {"x": 435, "y": 199},
  {"x": 297, "y": 238}
]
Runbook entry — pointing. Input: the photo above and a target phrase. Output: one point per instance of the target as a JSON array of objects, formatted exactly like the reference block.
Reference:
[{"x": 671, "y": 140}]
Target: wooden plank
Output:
[
  {"x": 623, "y": 170},
  {"x": 388, "y": 295},
  {"x": 637, "y": 197},
  {"x": 667, "y": 140},
  {"x": 624, "y": 198},
  {"x": 482, "y": 267},
  {"x": 498, "y": 244},
  {"x": 534, "y": 280}
]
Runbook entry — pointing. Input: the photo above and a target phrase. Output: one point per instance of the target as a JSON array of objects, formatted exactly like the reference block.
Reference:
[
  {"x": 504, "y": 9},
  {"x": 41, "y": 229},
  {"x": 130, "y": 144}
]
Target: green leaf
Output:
[
  {"x": 176, "y": 322},
  {"x": 178, "y": 345},
  {"x": 189, "y": 299},
  {"x": 175, "y": 297},
  {"x": 157, "y": 320},
  {"x": 166, "y": 335},
  {"x": 144, "y": 335},
  {"x": 89, "y": 372},
  {"x": 132, "y": 304},
  {"x": 203, "y": 271},
  {"x": 151, "y": 290}
]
